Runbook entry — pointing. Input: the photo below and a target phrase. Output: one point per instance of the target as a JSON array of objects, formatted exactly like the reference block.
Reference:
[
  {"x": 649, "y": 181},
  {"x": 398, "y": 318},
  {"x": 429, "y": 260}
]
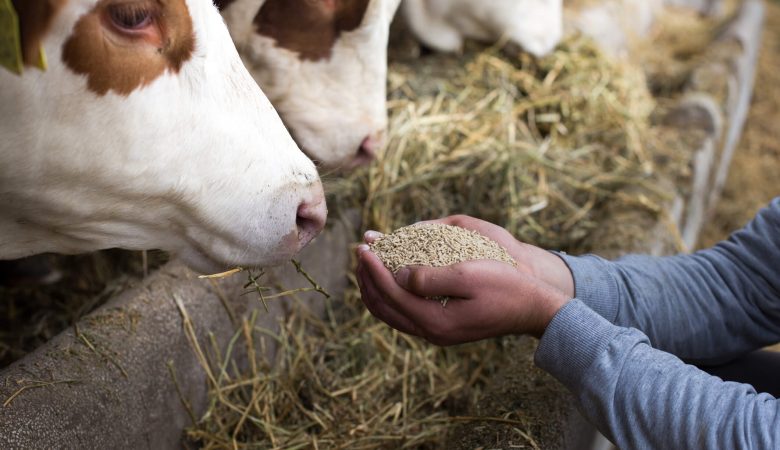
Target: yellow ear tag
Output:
[
  {"x": 10, "y": 41},
  {"x": 42, "y": 63}
]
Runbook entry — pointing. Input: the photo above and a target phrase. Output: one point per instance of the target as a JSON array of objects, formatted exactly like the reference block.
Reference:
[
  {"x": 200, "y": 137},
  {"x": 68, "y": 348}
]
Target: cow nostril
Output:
[
  {"x": 368, "y": 147},
  {"x": 367, "y": 152},
  {"x": 310, "y": 220}
]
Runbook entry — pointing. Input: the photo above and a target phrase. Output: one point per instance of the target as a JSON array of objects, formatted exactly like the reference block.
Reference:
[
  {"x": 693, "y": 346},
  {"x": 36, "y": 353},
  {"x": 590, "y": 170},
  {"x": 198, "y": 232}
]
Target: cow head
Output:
[
  {"x": 323, "y": 65},
  {"x": 146, "y": 131}
]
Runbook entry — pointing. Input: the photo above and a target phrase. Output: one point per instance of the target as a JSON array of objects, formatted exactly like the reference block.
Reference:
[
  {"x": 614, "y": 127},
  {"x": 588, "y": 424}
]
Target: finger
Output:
[
  {"x": 375, "y": 303},
  {"x": 449, "y": 220},
  {"x": 459, "y": 220},
  {"x": 371, "y": 236},
  {"x": 462, "y": 280},
  {"x": 376, "y": 299},
  {"x": 451, "y": 281},
  {"x": 487, "y": 229},
  {"x": 417, "y": 309}
]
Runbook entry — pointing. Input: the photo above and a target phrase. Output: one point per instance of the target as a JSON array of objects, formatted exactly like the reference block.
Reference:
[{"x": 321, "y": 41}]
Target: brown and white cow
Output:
[
  {"x": 323, "y": 65},
  {"x": 443, "y": 25},
  {"x": 146, "y": 131}
]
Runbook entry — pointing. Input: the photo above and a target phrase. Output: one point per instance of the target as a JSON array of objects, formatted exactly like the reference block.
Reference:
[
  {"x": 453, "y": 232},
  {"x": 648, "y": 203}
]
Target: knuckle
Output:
[
  {"x": 438, "y": 334},
  {"x": 417, "y": 280},
  {"x": 459, "y": 219},
  {"x": 468, "y": 270}
]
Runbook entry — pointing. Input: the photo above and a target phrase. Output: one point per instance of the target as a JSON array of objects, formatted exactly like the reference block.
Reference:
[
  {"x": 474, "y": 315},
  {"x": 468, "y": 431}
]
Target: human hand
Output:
[
  {"x": 488, "y": 299},
  {"x": 539, "y": 263}
]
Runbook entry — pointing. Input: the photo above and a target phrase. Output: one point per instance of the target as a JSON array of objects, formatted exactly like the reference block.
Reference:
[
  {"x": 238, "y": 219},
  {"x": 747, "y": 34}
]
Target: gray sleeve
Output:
[
  {"x": 640, "y": 397},
  {"x": 706, "y": 307}
]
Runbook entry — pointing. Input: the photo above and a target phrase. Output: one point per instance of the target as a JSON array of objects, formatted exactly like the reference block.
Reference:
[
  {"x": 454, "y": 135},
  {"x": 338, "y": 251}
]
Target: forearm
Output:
[
  {"x": 640, "y": 397},
  {"x": 705, "y": 307}
]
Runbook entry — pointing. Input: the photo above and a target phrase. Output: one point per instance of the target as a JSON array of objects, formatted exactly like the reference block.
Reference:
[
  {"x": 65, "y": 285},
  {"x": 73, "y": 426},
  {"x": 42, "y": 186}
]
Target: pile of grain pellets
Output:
[{"x": 436, "y": 245}]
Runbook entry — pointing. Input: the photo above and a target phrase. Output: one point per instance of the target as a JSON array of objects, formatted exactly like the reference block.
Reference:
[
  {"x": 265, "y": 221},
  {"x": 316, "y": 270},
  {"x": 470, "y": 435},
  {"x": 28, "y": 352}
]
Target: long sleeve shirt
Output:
[{"x": 620, "y": 345}]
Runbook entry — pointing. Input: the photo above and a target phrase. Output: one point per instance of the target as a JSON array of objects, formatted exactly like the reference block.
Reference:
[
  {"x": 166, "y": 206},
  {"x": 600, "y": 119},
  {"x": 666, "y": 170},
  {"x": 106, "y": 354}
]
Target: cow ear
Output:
[{"x": 35, "y": 18}]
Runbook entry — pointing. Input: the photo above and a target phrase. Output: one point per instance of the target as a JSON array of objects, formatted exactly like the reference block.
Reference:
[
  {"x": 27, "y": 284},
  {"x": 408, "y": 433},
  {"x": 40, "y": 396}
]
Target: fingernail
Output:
[
  {"x": 402, "y": 276},
  {"x": 362, "y": 248},
  {"x": 372, "y": 235}
]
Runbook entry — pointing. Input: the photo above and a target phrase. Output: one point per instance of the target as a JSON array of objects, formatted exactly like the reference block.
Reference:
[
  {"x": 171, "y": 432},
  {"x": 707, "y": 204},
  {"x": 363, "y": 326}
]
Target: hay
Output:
[
  {"x": 539, "y": 147},
  {"x": 344, "y": 381},
  {"x": 435, "y": 245},
  {"x": 534, "y": 146},
  {"x": 681, "y": 42}
]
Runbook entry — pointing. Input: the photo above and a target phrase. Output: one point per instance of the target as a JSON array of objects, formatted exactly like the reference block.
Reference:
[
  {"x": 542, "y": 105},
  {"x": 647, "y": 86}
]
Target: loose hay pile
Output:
[
  {"x": 537, "y": 146},
  {"x": 343, "y": 381},
  {"x": 436, "y": 245},
  {"x": 682, "y": 40}
]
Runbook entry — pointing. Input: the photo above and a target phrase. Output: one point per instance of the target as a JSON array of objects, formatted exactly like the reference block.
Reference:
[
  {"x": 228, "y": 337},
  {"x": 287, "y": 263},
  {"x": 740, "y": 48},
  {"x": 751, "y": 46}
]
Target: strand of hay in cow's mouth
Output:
[{"x": 535, "y": 146}]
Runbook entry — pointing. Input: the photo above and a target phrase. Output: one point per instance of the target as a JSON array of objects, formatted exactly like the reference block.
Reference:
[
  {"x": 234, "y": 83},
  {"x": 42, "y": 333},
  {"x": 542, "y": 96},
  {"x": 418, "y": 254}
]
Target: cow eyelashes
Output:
[{"x": 129, "y": 17}]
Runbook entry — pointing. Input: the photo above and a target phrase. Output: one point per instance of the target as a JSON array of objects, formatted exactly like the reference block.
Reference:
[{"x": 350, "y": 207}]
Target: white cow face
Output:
[
  {"x": 146, "y": 131},
  {"x": 323, "y": 65}
]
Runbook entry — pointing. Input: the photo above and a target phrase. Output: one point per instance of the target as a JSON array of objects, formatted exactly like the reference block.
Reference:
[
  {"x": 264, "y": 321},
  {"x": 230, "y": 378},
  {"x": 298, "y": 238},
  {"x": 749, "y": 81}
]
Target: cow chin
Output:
[
  {"x": 335, "y": 148},
  {"x": 219, "y": 260}
]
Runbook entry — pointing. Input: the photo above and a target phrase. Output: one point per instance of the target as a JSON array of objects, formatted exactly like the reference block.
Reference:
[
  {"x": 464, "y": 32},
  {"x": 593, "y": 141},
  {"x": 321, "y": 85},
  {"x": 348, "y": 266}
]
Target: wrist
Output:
[
  {"x": 550, "y": 307},
  {"x": 551, "y": 269},
  {"x": 545, "y": 302}
]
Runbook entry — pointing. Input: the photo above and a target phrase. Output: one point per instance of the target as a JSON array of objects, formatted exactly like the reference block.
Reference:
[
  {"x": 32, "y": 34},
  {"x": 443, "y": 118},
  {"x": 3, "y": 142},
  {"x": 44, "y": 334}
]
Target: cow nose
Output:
[
  {"x": 310, "y": 219},
  {"x": 367, "y": 152}
]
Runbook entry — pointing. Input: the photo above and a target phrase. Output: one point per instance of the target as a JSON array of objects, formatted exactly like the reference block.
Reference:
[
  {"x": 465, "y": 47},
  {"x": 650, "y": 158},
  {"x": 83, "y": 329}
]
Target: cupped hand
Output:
[
  {"x": 487, "y": 299},
  {"x": 539, "y": 263}
]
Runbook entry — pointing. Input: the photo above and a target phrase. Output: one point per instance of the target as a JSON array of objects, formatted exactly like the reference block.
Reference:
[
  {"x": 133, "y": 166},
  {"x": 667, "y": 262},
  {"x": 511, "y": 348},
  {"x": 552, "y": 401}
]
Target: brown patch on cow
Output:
[
  {"x": 35, "y": 18},
  {"x": 122, "y": 62},
  {"x": 309, "y": 27}
]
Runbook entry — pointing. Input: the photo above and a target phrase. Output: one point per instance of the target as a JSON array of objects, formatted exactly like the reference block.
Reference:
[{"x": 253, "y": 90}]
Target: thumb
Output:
[{"x": 450, "y": 281}]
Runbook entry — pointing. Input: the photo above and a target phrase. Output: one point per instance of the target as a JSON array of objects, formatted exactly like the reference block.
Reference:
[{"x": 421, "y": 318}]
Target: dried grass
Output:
[
  {"x": 534, "y": 146},
  {"x": 681, "y": 41},
  {"x": 344, "y": 381}
]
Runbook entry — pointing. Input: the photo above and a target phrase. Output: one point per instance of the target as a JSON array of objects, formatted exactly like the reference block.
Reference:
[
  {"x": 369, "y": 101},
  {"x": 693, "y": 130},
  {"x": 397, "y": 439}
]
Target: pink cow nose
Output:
[
  {"x": 310, "y": 219},
  {"x": 367, "y": 152}
]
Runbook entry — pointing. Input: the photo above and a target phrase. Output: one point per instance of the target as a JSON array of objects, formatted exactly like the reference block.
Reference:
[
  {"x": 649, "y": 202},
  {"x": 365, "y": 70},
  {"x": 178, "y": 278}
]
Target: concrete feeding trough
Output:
[{"x": 118, "y": 379}]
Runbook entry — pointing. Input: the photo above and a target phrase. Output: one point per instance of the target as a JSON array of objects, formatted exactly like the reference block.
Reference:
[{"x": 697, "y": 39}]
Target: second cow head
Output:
[{"x": 323, "y": 65}]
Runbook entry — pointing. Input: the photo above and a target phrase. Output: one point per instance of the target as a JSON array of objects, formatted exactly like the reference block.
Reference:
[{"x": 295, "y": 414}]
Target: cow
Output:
[
  {"x": 323, "y": 65},
  {"x": 144, "y": 131},
  {"x": 443, "y": 25},
  {"x": 538, "y": 25},
  {"x": 614, "y": 25}
]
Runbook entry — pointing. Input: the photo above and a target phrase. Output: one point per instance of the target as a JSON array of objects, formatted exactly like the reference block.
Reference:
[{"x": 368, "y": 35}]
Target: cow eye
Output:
[{"x": 130, "y": 16}]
